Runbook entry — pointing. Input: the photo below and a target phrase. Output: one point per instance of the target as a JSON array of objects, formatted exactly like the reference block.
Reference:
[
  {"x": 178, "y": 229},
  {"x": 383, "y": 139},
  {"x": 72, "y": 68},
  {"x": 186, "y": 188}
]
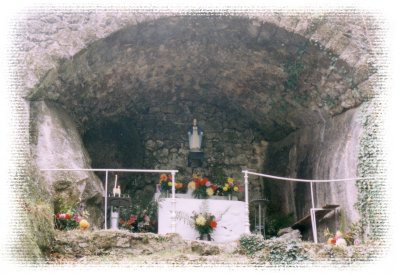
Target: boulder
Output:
[
  {"x": 288, "y": 234},
  {"x": 56, "y": 143},
  {"x": 205, "y": 248}
]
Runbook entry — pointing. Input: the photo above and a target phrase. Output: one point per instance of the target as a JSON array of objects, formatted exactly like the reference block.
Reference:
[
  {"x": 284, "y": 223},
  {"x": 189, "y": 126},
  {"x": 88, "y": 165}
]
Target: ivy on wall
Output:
[{"x": 371, "y": 193}]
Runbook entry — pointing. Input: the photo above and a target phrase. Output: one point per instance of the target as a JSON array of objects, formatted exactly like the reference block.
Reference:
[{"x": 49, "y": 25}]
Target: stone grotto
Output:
[{"x": 286, "y": 94}]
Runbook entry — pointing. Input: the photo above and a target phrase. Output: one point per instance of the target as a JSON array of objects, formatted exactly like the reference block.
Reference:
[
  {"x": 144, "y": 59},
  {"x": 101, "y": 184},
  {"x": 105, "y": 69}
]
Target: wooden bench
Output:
[{"x": 319, "y": 214}]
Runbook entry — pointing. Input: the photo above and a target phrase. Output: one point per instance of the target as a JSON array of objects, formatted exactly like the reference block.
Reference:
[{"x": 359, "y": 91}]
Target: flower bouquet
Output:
[
  {"x": 202, "y": 221},
  {"x": 205, "y": 224},
  {"x": 71, "y": 219},
  {"x": 231, "y": 186},
  {"x": 202, "y": 188},
  {"x": 165, "y": 185},
  {"x": 140, "y": 217},
  {"x": 341, "y": 239}
]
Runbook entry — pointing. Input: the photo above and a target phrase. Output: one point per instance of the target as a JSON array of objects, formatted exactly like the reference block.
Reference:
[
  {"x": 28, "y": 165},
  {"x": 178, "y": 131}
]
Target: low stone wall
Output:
[{"x": 124, "y": 248}]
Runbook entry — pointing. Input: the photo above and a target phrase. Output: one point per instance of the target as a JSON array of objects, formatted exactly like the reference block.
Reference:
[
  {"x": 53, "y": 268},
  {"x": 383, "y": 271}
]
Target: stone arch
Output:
[{"x": 247, "y": 82}]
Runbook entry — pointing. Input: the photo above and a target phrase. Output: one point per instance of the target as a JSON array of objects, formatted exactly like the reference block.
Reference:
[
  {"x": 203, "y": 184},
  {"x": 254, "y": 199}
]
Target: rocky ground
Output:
[{"x": 125, "y": 248}]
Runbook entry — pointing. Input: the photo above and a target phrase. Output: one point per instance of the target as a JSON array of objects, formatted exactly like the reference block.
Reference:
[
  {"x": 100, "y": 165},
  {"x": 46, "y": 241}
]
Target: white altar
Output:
[{"x": 231, "y": 225}]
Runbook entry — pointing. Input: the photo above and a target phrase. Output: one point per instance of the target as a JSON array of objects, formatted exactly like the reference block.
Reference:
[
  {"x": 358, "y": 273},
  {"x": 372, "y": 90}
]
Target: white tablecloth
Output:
[{"x": 229, "y": 228}]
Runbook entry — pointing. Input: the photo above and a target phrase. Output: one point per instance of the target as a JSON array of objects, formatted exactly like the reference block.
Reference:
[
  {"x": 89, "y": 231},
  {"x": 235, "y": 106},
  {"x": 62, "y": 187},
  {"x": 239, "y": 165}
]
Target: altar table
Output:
[{"x": 230, "y": 226}]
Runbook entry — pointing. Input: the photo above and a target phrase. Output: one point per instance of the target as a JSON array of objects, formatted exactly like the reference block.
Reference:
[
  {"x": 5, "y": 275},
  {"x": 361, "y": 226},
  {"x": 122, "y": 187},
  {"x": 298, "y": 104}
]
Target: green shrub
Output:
[
  {"x": 284, "y": 252},
  {"x": 251, "y": 243}
]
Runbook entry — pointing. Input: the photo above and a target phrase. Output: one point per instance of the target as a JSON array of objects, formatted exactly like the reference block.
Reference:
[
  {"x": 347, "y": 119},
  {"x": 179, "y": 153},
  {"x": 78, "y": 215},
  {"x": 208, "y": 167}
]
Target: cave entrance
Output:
[
  {"x": 116, "y": 143},
  {"x": 248, "y": 83}
]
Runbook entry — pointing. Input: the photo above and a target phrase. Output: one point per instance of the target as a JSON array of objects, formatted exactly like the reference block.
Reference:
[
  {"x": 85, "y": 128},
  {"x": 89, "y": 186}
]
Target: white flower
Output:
[
  {"x": 338, "y": 234},
  {"x": 341, "y": 242},
  {"x": 210, "y": 191},
  {"x": 200, "y": 220}
]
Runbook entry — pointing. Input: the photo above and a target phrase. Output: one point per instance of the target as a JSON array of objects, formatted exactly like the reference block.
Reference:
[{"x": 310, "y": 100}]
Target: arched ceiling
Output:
[{"x": 275, "y": 80}]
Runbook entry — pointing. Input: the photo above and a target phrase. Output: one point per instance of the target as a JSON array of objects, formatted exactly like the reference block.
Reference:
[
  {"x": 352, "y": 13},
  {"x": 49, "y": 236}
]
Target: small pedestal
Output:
[
  {"x": 113, "y": 204},
  {"x": 259, "y": 205},
  {"x": 114, "y": 220},
  {"x": 195, "y": 159}
]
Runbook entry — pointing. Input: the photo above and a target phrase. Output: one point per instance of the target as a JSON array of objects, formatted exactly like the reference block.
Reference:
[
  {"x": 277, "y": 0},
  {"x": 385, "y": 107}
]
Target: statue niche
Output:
[{"x": 195, "y": 135}]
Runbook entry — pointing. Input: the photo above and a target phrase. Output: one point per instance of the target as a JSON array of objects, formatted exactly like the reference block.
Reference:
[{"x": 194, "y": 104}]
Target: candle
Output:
[{"x": 116, "y": 179}]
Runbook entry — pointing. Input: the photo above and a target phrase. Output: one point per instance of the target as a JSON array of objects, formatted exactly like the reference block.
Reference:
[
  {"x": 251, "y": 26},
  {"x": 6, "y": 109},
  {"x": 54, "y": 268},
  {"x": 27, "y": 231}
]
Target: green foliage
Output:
[
  {"x": 277, "y": 220},
  {"x": 140, "y": 217},
  {"x": 200, "y": 193},
  {"x": 218, "y": 175},
  {"x": 251, "y": 243},
  {"x": 285, "y": 253},
  {"x": 371, "y": 193},
  {"x": 37, "y": 218}
]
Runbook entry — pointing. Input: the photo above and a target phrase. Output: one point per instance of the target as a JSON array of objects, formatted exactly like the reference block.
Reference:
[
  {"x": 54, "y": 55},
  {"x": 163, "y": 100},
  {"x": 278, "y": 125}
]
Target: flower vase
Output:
[
  {"x": 205, "y": 237},
  {"x": 165, "y": 194},
  {"x": 230, "y": 197}
]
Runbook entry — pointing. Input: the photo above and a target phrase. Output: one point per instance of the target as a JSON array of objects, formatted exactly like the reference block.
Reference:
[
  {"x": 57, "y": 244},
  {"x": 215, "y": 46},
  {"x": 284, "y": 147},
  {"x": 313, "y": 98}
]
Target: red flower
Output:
[
  {"x": 58, "y": 215},
  {"x": 214, "y": 188},
  {"x": 203, "y": 181},
  {"x": 67, "y": 216},
  {"x": 213, "y": 224}
]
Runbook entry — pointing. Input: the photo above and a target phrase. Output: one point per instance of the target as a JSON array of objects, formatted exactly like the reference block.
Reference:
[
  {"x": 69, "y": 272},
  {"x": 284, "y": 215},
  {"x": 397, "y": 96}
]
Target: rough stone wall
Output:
[
  {"x": 46, "y": 36},
  {"x": 325, "y": 151},
  {"x": 229, "y": 144}
]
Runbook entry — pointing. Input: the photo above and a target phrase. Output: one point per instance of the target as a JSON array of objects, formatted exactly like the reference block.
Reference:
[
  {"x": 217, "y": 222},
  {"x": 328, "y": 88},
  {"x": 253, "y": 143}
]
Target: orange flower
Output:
[
  {"x": 332, "y": 241},
  {"x": 213, "y": 224},
  {"x": 83, "y": 224},
  {"x": 178, "y": 185},
  {"x": 163, "y": 177}
]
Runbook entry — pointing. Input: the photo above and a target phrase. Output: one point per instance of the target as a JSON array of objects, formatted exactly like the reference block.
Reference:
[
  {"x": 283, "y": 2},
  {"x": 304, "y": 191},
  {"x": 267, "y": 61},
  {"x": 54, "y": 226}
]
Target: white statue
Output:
[
  {"x": 117, "y": 191},
  {"x": 195, "y": 136}
]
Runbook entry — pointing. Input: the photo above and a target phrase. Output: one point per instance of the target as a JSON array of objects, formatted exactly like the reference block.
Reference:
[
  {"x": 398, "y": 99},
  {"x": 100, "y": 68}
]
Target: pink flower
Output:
[
  {"x": 77, "y": 218},
  {"x": 208, "y": 184},
  {"x": 131, "y": 220},
  {"x": 146, "y": 218}
]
